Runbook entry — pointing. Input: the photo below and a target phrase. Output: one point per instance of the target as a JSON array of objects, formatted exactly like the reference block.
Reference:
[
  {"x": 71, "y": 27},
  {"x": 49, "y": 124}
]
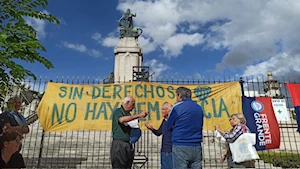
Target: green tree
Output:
[{"x": 18, "y": 41}]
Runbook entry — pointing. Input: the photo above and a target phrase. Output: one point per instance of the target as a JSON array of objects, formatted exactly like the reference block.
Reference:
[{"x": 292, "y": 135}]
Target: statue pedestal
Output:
[{"x": 128, "y": 53}]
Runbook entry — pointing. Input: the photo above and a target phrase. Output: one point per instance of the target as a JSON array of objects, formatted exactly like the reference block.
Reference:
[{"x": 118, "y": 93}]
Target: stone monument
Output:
[
  {"x": 272, "y": 86},
  {"x": 128, "y": 52}
]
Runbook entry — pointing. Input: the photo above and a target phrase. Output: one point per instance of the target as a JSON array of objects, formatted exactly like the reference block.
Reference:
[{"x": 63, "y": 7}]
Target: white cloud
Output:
[
  {"x": 252, "y": 32},
  {"x": 97, "y": 37},
  {"x": 110, "y": 41},
  {"x": 175, "y": 44},
  {"x": 75, "y": 46},
  {"x": 275, "y": 64},
  {"x": 38, "y": 25},
  {"x": 193, "y": 27},
  {"x": 82, "y": 48},
  {"x": 156, "y": 67},
  {"x": 146, "y": 44},
  {"x": 162, "y": 26},
  {"x": 94, "y": 52}
]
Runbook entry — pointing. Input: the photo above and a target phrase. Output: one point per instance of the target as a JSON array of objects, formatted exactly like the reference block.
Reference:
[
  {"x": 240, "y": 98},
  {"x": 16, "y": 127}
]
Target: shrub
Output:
[{"x": 281, "y": 159}]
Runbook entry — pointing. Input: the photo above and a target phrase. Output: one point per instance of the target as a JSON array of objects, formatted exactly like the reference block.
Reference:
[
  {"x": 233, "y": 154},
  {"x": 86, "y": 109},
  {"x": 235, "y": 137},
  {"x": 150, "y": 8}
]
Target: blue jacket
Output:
[{"x": 186, "y": 121}]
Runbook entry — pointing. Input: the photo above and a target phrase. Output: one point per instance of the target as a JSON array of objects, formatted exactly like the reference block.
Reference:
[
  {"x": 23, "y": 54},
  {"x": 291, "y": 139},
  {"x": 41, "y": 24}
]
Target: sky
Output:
[{"x": 194, "y": 38}]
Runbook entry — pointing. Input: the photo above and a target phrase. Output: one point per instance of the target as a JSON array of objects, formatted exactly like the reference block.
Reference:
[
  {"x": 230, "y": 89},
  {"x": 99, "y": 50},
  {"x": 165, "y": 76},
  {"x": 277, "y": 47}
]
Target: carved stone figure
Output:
[{"x": 126, "y": 26}]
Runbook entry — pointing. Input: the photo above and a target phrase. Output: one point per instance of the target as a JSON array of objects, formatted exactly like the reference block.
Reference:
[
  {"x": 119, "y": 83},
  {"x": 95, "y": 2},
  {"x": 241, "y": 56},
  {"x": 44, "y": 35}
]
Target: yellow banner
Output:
[{"x": 89, "y": 107}]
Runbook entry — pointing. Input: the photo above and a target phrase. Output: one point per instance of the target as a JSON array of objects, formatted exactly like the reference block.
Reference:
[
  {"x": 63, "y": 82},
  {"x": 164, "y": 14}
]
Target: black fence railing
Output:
[{"x": 90, "y": 149}]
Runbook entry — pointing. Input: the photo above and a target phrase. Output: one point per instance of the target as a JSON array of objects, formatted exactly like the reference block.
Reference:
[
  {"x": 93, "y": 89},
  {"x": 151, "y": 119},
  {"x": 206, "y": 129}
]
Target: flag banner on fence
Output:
[
  {"x": 280, "y": 110},
  {"x": 89, "y": 107},
  {"x": 261, "y": 120},
  {"x": 294, "y": 90}
]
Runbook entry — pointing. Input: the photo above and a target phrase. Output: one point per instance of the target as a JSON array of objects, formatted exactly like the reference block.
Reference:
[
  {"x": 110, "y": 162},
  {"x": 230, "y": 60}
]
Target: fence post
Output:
[
  {"x": 41, "y": 150},
  {"x": 242, "y": 86}
]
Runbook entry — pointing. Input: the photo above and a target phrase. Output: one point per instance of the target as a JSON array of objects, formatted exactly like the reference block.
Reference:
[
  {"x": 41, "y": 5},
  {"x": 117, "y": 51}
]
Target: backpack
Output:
[
  {"x": 14, "y": 119},
  {"x": 19, "y": 119}
]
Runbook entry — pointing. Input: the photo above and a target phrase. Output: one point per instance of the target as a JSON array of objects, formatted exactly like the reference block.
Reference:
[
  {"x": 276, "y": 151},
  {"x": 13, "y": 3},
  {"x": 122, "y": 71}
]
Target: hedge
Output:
[{"x": 281, "y": 159}]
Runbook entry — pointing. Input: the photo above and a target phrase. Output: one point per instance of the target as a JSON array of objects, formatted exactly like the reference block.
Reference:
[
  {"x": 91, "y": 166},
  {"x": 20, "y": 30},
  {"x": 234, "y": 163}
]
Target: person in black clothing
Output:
[
  {"x": 9, "y": 144},
  {"x": 166, "y": 148}
]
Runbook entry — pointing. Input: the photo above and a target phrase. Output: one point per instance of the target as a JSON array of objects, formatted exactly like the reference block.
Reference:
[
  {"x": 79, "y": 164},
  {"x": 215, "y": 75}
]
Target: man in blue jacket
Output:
[
  {"x": 166, "y": 147},
  {"x": 186, "y": 123}
]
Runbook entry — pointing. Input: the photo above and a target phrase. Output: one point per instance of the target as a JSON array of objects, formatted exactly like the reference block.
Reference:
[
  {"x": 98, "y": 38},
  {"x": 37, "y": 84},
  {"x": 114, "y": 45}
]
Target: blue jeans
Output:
[
  {"x": 187, "y": 157},
  {"x": 166, "y": 160}
]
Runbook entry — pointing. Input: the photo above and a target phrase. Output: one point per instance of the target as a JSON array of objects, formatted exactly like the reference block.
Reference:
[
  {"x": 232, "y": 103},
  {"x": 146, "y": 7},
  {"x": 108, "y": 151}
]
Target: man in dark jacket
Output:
[{"x": 166, "y": 147}]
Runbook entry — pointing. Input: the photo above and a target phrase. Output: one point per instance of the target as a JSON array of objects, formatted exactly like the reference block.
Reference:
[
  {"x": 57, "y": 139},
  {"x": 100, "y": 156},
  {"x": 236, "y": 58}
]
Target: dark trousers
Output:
[{"x": 121, "y": 154}]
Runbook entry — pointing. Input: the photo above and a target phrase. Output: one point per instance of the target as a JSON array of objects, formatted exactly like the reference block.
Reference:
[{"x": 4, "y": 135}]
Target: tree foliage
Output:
[{"x": 18, "y": 40}]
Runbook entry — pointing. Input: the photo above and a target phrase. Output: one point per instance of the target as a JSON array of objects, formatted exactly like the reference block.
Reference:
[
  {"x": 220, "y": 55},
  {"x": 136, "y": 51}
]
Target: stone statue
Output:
[{"x": 126, "y": 26}]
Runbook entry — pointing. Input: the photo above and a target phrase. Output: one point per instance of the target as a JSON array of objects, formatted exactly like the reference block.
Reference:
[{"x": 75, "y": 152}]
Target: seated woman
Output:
[
  {"x": 9, "y": 144},
  {"x": 237, "y": 121}
]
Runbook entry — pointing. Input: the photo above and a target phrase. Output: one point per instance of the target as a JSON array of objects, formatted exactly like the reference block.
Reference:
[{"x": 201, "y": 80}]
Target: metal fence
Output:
[{"x": 90, "y": 149}]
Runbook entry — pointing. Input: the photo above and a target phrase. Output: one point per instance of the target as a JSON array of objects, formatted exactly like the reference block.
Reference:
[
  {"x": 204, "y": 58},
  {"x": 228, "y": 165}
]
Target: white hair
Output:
[
  {"x": 127, "y": 99},
  {"x": 169, "y": 105}
]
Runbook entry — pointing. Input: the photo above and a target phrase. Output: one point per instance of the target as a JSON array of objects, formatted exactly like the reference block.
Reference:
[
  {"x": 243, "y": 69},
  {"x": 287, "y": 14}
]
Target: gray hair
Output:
[
  {"x": 127, "y": 99},
  {"x": 184, "y": 92},
  {"x": 167, "y": 103}
]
